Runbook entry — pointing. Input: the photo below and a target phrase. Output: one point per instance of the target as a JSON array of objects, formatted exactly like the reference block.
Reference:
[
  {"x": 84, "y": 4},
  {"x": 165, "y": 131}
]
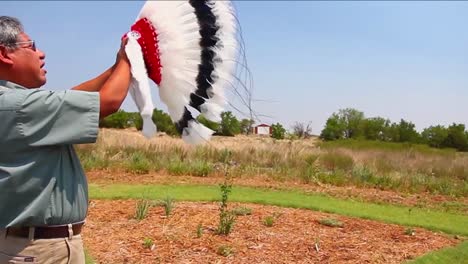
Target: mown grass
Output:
[
  {"x": 88, "y": 258},
  {"x": 388, "y": 166},
  {"x": 417, "y": 217},
  {"x": 455, "y": 255}
]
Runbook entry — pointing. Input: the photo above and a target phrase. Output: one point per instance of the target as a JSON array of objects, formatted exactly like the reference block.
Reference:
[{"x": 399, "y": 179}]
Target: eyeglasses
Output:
[{"x": 31, "y": 44}]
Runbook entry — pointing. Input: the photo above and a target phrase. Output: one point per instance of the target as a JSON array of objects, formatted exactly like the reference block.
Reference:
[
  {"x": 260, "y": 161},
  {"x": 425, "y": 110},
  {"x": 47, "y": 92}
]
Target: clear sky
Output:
[{"x": 308, "y": 59}]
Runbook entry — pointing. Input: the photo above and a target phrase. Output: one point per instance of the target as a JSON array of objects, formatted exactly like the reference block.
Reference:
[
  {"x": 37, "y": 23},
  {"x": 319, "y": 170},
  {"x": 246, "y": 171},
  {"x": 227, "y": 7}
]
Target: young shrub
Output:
[
  {"x": 226, "y": 223},
  {"x": 226, "y": 218}
]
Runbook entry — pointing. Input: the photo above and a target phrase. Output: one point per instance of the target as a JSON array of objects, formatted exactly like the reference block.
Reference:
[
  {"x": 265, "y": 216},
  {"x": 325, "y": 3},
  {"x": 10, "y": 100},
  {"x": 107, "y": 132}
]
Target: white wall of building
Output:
[{"x": 263, "y": 130}]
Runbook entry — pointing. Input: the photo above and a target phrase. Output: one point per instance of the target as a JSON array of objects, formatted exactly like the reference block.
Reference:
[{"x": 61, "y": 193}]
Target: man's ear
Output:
[{"x": 5, "y": 56}]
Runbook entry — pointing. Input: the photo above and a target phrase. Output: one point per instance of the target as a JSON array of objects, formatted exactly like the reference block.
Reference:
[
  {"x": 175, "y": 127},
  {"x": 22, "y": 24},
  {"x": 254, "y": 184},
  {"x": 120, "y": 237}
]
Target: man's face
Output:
[{"x": 29, "y": 62}]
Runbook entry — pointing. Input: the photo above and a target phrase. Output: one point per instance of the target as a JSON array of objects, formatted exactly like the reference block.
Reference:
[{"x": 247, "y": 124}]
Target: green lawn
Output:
[
  {"x": 455, "y": 255},
  {"x": 407, "y": 216}
]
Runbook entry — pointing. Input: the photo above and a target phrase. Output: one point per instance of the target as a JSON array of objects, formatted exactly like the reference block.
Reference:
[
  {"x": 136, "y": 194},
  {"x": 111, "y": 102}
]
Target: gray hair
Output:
[{"x": 10, "y": 28}]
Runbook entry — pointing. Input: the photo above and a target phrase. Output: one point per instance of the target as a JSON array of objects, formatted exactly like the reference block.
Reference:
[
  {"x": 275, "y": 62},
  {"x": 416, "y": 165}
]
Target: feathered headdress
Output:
[{"x": 188, "y": 48}]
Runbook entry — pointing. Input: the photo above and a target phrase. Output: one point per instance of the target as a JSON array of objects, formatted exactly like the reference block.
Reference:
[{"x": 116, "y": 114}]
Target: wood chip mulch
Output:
[{"x": 113, "y": 235}]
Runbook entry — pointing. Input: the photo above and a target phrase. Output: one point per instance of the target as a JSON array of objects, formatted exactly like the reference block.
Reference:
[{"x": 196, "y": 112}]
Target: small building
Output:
[{"x": 262, "y": 129}]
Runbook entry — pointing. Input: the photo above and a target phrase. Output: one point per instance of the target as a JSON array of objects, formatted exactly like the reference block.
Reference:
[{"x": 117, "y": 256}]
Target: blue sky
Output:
[{"x": 308, "y": 59}]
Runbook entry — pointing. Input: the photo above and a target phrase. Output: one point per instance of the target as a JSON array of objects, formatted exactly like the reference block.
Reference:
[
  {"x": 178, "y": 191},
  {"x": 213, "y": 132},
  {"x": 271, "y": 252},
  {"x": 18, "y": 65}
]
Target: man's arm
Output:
[
  {"x": 112, "y": 84},
  {"x": 115, "y": 89}
]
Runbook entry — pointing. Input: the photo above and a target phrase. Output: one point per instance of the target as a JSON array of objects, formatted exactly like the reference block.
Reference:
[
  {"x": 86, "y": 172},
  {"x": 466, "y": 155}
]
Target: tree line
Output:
[
  {"x": 229, "y": 125},
  {"x": 350, "y": 123}
]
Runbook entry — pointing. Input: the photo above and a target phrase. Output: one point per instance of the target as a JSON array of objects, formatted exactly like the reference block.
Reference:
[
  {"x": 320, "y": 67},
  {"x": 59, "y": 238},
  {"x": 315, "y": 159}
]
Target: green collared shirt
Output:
[{"x": 41, "y": 179}]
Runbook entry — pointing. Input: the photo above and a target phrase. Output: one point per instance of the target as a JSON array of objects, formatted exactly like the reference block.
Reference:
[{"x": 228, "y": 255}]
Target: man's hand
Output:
[
  {"x": 115, "y": 89},
  {"x": 121, "y": 54}
]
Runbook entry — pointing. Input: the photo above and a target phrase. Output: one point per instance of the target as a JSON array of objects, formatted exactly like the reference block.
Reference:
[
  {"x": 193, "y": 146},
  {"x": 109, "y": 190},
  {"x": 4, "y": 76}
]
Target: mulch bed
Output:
[{"x": 113, "y": 235}]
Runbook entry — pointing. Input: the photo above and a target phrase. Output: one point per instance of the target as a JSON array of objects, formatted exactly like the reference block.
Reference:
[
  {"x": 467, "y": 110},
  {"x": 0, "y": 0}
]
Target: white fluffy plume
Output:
[
  {"x": 179, "y": 49},
  {"x": 139, "y": 86},
  {"x": 226, "y": 51},
  {"x": 180, "y": 53}
]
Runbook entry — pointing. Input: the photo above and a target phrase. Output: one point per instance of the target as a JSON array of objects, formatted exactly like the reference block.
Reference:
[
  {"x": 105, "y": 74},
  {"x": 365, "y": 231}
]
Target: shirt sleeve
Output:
[{"x": 58, "y": 117}]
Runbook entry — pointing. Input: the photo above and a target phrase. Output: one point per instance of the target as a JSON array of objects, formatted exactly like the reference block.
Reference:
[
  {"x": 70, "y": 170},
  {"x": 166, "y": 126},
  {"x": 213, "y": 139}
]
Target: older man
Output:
[{"x": 43, "y": 190}]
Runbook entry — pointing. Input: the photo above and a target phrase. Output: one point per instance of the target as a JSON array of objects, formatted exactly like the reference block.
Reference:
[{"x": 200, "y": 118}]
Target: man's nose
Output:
[{"x": 41, "y": 54}]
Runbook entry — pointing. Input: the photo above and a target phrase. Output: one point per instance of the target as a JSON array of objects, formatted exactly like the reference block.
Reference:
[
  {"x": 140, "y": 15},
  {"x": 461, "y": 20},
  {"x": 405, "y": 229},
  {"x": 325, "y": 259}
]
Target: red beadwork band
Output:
[{"x": 148, "y": 41}]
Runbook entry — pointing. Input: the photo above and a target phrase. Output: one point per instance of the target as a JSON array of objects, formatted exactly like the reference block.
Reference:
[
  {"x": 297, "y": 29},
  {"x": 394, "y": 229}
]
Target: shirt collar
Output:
[{"x": 10, "y": 85}]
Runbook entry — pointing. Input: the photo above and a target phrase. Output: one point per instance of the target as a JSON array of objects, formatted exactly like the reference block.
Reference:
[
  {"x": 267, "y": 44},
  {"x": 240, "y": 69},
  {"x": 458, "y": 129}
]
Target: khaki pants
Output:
[{"x": 15, "y": 250}]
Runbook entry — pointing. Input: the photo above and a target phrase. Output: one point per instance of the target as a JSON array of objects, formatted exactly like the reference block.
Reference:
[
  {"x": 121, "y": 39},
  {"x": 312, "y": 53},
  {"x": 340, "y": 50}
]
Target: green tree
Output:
[
  {"x": 163, "y": 122},
  {"x": 374, "y": 128},
  {"x": 392, "y": 133},
  {"x": 456, "y": 137},
  {"x": 435, "y": 136},
  {"x": 277, "y": 131},
  {"x": 246, "y": 126},
  {"x": 230, "y": 126},
  {"x": 120, "y": 119},
  {"x": 407, "y": 132},
  {"x": 351, "y": 120},
  {"x": 334, "y": 128}
]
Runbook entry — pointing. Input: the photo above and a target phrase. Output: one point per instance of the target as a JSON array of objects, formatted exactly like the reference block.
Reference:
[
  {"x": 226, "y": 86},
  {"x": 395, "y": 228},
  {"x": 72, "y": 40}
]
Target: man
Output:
[{"x": 43, "y": 190}]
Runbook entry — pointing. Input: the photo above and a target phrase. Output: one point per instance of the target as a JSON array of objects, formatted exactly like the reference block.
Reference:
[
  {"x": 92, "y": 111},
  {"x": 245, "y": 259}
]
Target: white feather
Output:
[
  {"x": 196, "y": 133},
  {"x": 180, "y": 54},
  {"x": 225, "y": 55},
  {"x": 139, "y": 86},
  {"x": 177, "y": 28}
]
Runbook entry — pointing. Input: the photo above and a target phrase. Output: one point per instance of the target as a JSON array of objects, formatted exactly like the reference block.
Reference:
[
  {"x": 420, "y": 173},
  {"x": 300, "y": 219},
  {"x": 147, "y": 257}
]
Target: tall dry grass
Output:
[{"x": 396, "y": 166}]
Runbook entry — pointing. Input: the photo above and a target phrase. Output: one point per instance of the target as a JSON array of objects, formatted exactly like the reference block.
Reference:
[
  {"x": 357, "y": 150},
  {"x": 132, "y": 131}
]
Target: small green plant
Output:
[
  {"x": 242, "y": 211},
  {"x": 199, "y": 230},
  {"x": 168, "y": 205},
  {"x": 410, "y": 231},
  {"x": 142, "y": 209},
  {"x": 331, "y": 222},
  {"x": 226, "y": 218},
  {"x": 269, "y": 221},
  {"x": 226, "y": 223},
  {"x": 148, "y": 243},
  {"x": 225, "y": 250}
]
